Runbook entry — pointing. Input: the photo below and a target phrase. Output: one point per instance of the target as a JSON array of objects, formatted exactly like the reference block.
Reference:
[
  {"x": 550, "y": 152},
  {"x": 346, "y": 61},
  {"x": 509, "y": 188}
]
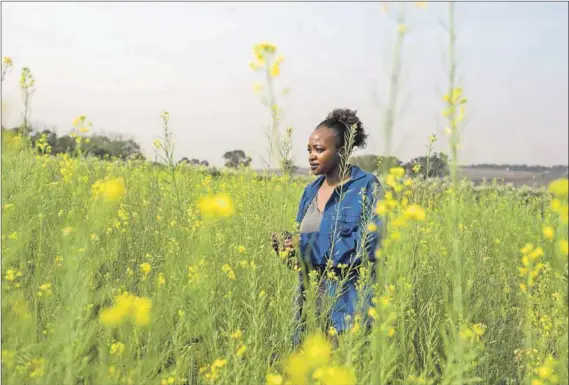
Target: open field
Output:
[
  {"x": 518, "y": 178},
  {"x": 124, "y": 272},
  {"x": 113, "y": 274}
]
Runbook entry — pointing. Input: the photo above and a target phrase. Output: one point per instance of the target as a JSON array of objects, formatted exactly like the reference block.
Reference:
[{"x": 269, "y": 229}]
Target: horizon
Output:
[{"x": 191, "y": 59}]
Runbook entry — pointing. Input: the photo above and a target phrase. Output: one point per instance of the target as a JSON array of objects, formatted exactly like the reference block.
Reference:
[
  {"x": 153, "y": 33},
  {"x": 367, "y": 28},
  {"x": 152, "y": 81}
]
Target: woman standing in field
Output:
[{"x": 335, "y": 216}]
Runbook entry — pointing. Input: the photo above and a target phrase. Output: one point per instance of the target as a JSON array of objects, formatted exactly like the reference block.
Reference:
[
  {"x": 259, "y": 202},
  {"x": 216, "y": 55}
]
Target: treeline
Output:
[
  {"x": 104, "y": 147},
  {"x": 521, "y": 167},
  {"x": 99, "y": 146},
  {"x": 434, "y": 166}
]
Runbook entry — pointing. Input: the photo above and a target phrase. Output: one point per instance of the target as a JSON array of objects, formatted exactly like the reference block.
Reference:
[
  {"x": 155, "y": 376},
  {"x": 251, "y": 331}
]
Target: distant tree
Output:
[
  {"x": 236, "y": 159},
  {"x": 365, "y": 162},
  {"x": 99, "y": 146},
  {"x": 429, "y": 167},
  {"x": 194, "y": 162},
  {"x": 374, "y": 163}
]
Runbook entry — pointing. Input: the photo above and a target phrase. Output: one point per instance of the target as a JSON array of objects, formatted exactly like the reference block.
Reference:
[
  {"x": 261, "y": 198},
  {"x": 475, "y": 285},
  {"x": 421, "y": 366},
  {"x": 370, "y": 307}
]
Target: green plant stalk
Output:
[
  {"x": 274, "y": 134},
  {"x": 458, "y": 311}
]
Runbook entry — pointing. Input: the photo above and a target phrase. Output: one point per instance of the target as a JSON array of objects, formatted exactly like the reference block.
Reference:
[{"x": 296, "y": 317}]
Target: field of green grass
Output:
[
  {"x": 126, "y": 272},
  {"x": 120, "y": 273}
]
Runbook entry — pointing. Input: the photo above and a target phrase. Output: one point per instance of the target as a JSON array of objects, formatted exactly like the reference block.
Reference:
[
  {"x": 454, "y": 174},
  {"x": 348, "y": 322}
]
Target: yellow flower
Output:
[
  {"x": 113, "y": 316},
  {"x": 226, "y": 268},
  {"x": 415, "y": 212},
  {"x": 381, "y": 208},
  {"x": 237, "y": 334},
  {"x": 240, "y": 350},
  {"x": 219, "y": 205},
  {"x": 142, "y": 311},
  {"x": 84, "y": 130},
  {"x": 372, "y": 227},
  {"x": 479, "y": 329},
  {"x": 548, "y": 232},
  {"x": 110, "y": 190},
  {"x": 241, "y": 249},
  {"x": 38, "y": 365},
  {"x": 296, "y": 368},
  {"x": 78, "y": 120},
  {"x": 275, "y": 70},
  {"x": 528, "y": 248},
  {"x": 257, "y": 87},
  {"x": 157, "y": 143},
  {"x": 161, "y": 280},
  {"x": 560, "y": 187},
  {"x": 127, "y": 306},
  {"x": 337, "y": 375},
  {"x": 117, "y": 349},
  {"x": 145, "y": 268},
  {"x": 317, "y": 351},
  {"x": 398, "y": 172},
  {"x": 274, "y": 379}
]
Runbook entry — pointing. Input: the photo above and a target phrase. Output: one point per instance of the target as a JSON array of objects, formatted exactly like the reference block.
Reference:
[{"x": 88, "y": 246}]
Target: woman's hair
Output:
[{"x": 341, "y": 120}]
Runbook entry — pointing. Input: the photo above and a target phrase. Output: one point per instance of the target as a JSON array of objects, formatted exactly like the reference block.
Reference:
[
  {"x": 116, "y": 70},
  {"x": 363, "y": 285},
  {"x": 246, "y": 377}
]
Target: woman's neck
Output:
[{"x": 335, "y": 178}]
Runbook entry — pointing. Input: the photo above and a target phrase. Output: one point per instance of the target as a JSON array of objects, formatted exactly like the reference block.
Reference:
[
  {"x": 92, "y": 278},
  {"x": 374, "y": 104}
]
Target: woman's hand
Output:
[
  {"x": 284, "y": 245},
  {"x": 283, "y": 241}
]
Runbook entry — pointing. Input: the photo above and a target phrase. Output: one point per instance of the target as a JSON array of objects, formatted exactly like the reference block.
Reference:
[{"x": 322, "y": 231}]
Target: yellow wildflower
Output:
[
  {"x": 415, "y": 212},
  {"x": 161, "y": 280},
  {"x": 548, "y": 232},
  {"x": 560, "y": 187},
  {"x": 219, "y": 205},
  {"x": 274, "y": 379},
  {"x": 317, "y": 351},
  {"x": 398, "y": 172},
  {"x": 117, "y": 349},
  {"x": 337, "y": 375},
  {"x": 237, "y": 334},
  {"x": 240, "y": 350},
  {"x": 110, "y": 190},
  {"x": 145, "y": 268}
]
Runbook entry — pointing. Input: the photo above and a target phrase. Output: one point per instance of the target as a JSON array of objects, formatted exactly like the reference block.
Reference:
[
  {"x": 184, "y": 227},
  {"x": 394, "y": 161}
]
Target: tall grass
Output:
[{"x": 119, "y": 272}]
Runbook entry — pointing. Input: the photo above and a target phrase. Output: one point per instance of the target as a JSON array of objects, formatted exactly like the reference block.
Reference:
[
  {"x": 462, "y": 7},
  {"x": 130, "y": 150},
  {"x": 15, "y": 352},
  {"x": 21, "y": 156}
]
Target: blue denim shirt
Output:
[{"x": 343, "y": 238}]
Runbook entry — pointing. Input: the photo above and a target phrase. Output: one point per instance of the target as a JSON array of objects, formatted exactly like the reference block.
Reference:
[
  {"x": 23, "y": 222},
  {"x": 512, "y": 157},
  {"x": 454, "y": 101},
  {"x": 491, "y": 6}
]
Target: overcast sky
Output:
[{"x": 121, "y": 64}]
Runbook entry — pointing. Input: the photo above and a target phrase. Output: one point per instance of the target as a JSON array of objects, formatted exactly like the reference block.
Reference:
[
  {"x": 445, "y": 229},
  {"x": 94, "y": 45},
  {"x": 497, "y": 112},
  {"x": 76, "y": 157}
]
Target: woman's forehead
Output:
[{"x": 322, "y": 135}]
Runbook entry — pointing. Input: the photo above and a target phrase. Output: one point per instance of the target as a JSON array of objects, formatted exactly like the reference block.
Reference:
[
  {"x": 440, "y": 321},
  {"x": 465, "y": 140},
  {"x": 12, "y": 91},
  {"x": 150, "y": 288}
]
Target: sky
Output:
[{"x": 122, "y": 64}]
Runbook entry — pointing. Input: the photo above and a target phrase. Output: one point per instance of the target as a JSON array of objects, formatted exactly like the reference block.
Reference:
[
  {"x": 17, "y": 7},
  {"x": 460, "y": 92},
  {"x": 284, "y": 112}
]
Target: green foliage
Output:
[
  {"x": 374, "y": 163},
  {"x": 236, "y": 159},
  {"x": 432, "y": 166},
  {"x": 98, "y": 146}
]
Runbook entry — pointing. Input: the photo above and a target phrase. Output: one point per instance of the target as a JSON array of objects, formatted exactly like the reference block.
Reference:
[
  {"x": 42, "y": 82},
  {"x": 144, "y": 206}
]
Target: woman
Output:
[{"x": 334, "y": 213}]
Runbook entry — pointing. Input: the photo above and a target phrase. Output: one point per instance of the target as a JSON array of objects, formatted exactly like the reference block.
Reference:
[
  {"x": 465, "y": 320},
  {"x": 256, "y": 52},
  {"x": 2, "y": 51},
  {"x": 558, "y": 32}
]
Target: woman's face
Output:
[{"x": 323, "y": 156}]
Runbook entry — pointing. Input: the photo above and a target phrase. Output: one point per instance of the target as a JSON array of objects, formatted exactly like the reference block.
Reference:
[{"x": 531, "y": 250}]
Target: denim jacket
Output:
[
  {"x": 343, "y": 229},
  {"x": 343, "y": 239}
]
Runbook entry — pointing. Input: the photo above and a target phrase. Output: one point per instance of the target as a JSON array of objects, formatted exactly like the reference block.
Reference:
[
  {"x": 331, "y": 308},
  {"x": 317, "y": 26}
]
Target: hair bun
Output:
[{"x": 349, "y": 118}]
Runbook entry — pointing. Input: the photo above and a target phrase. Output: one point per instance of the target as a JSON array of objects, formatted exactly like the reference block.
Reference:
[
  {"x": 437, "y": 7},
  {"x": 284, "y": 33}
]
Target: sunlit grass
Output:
[{"x": 124, "y": 272}]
